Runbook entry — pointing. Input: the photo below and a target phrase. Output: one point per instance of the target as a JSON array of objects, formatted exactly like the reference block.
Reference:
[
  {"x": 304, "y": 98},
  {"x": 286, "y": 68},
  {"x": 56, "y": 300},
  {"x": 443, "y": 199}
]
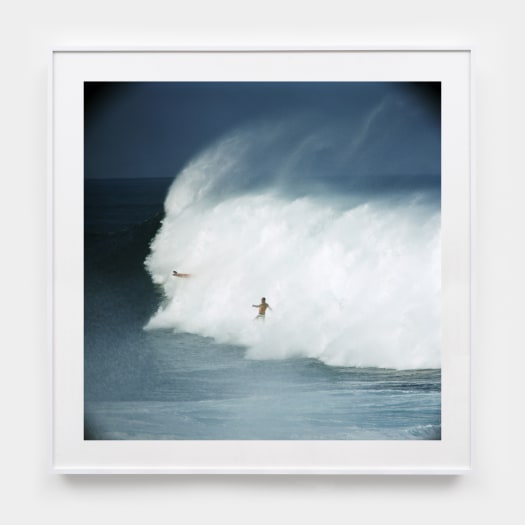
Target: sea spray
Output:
[{"x": 353, "y": 278}]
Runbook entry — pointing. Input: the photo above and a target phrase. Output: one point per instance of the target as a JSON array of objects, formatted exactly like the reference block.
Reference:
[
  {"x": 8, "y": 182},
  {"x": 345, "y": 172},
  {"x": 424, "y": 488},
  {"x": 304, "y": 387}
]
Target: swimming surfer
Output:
[
  {"x": 262, "y": 308},
  {"x": 177, "y": 274}
]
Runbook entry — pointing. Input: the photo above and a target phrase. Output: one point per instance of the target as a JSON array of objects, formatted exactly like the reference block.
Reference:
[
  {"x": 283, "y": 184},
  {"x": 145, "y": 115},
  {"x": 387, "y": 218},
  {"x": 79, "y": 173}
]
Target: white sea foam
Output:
[{"x": 350, "y": 285}]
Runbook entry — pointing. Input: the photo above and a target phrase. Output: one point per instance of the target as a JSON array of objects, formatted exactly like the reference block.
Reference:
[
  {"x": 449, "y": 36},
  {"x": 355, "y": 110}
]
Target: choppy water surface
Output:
[{"x": 187, "y": 387}]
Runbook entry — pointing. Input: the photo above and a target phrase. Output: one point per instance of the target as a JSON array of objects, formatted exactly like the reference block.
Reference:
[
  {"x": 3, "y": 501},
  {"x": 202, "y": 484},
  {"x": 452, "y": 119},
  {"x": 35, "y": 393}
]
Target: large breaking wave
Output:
[{"x": 352, "y": 275}]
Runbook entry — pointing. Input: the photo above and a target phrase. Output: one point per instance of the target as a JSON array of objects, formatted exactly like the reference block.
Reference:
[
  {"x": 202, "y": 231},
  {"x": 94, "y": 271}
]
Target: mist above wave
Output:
[{"x": 350, "y": 265}]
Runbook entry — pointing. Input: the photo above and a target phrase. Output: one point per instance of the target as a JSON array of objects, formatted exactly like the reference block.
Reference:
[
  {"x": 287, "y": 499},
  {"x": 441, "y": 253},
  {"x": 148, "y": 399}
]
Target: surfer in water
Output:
[
  {"x": 177, "y": 274},
  {"x": 262, "y": 308}
]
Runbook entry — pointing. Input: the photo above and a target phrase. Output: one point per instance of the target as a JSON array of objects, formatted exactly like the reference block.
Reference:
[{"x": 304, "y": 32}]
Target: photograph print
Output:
[{"x": 262, "y": 260}]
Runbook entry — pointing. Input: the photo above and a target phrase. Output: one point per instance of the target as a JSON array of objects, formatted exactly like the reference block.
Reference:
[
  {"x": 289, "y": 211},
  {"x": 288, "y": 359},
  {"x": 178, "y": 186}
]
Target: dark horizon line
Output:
[
  {"x": 426, "y": 174},
  {"x": 128, "y": 178}
]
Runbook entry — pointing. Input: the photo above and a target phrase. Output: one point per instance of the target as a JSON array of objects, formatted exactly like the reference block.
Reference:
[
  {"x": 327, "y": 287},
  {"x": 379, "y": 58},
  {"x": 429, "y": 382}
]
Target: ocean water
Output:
[{"x": 349, "y": 351}]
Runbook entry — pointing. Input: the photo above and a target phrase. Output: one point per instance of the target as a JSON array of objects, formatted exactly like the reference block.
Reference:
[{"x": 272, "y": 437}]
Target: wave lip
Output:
[{"x": 349, "y": 284}]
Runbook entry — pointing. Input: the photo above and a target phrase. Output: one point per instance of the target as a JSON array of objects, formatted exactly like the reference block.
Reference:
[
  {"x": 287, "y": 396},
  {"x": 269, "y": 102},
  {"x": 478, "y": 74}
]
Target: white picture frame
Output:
[{"x": 71, "y": 453}]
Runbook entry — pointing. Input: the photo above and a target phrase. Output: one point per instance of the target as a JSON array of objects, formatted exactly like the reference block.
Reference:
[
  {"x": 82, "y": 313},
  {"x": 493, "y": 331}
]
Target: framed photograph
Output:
[{"x": 260, "y": 260}]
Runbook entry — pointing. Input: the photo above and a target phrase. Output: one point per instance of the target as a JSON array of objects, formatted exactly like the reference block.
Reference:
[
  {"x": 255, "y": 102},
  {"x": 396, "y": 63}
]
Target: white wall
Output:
[{"x": 28, "y": 29}]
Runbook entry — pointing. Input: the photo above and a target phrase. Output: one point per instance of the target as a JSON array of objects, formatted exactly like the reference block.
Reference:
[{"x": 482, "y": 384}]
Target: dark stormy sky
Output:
[{"x": 152, "y": 129}]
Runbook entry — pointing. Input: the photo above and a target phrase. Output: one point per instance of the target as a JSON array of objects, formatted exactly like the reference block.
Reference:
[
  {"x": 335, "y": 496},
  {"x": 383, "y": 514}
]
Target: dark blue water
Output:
[{"x": 162, "y": 385}]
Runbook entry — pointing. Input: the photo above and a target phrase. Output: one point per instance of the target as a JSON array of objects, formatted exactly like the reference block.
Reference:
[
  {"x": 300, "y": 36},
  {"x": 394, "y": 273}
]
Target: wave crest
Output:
[{"x": 350, "y": 285}]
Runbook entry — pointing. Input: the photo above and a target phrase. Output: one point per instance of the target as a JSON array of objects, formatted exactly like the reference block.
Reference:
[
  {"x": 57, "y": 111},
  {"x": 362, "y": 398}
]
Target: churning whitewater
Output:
[{"x": 352, "y": 275}]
